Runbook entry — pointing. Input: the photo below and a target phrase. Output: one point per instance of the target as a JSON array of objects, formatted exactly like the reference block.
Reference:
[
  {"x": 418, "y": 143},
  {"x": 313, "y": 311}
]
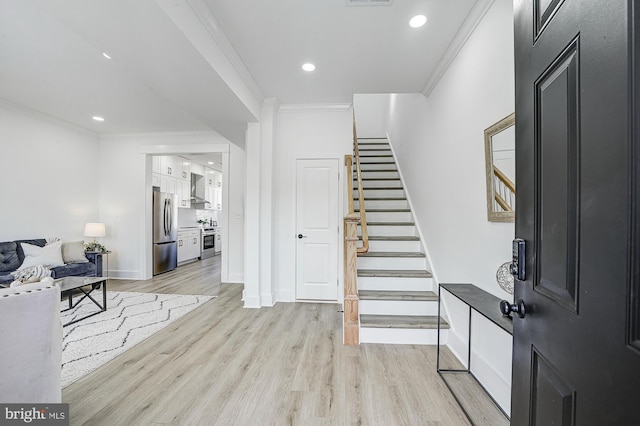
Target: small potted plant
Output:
[{"x": 95, "y": 247}]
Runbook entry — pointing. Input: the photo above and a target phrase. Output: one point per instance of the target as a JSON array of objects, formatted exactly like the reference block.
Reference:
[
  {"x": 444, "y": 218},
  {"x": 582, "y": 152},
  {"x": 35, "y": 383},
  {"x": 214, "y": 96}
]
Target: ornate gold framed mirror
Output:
[{"x": 500, "y": 160}]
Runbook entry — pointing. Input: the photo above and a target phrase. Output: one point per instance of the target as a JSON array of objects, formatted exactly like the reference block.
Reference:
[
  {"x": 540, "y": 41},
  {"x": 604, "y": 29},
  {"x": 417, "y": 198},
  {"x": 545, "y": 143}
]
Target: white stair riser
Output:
[
  {"x": 389, "y": 217},
  {"x": 383, "y": 204},
  {"x": 395, "y": 284},
  {"x": 366, "y": 160},
  {"x": 382, "y": 193},
  {"x": 404, "y": 263},
  {"x": 386, "y": 166},
  {"x": 394, "y": 245},
  {"x": 369, "y": 184},
  {"x": 379, "y": 174},
  {"x": 402, "y": 336},
  {"x": 389, "y": 231},
  {"x": 398, "y": 307}
]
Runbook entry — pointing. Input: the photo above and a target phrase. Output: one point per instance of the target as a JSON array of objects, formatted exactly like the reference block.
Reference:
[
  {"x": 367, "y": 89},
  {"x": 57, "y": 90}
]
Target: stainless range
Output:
[{"x": 208, "y": 242}]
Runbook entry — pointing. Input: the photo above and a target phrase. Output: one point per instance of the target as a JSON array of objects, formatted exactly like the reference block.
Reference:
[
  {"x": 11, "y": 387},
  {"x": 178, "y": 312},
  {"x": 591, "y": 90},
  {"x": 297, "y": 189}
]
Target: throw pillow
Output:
[
  {"x": 49, "y": 255},
  {"x": 73, "y": 252},
  {"x": 9, "y": 260}
]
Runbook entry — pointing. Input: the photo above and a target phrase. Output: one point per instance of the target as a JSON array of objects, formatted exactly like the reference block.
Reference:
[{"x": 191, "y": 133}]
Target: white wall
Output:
[
  {"x": 303, "y": 132},
  {"x": 439, "y": 145},
  {"x": 50, "y": 176},
  {"x": 372, "y": 116},
  {"x": 125, "y": 195}
]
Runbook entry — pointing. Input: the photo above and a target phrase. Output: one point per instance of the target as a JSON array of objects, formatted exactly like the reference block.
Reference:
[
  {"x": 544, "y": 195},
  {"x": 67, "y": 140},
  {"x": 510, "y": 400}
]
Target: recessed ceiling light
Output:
[
  {"x": 308, "y": 67},
  {"x": 210, "y": 162},
  {"x": 417, "y": 21},
  {"x": 106, "y": 55},
  {"x": 97, "y": 118}
]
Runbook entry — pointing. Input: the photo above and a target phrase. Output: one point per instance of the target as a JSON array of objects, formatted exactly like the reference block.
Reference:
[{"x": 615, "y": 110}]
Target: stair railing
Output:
[
  {"x": 504, "y": 191},
  {"x": 351, "y": 249},
  {"x": 363, "y": 212}
]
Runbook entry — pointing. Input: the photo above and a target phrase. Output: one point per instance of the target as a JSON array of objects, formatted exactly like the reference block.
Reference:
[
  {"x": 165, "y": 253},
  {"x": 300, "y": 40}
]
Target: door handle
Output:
[
  {"x": 300, "y": 236},
  {"x": 519, "y": 308}
]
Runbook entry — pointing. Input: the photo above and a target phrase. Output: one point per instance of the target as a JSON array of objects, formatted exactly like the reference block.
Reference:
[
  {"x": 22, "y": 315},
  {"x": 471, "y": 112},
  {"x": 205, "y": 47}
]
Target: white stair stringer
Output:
[{"x": 397, "y": 303}]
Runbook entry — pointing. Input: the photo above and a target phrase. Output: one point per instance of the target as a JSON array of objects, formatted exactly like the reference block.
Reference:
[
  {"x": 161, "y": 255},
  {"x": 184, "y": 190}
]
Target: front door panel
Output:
[{"x": 574, "y": 360}]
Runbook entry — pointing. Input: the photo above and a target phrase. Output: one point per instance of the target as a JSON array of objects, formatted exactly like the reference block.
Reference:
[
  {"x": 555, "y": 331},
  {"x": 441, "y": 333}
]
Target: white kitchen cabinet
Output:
[
  {"x": 218, "y": 244},
  {"x": 168, "y": 184},
  {"x": 155, "y": 179},
  {"x": 183, "y": 193},
  {"x": 168, "y": 165},
  {"x": 155, "y": 164},
  {"x": 183, "y": 248},
  {"x": 183, "y": 167},
  {"x": 188, "y": 245},
  {"x": 193, "y": 244},
  {"x": 213, "y": 191}
]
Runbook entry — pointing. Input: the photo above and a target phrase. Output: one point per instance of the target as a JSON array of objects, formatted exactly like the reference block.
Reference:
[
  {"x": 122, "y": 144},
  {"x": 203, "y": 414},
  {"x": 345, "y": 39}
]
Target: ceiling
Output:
[
  {"x": 364, "y": 49},
  {"x": 163, "y": 77}
]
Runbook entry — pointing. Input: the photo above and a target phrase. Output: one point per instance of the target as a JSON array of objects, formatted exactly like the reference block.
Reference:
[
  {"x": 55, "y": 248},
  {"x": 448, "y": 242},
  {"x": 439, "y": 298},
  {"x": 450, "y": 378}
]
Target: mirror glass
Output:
[{"x": 500, "y": 159}]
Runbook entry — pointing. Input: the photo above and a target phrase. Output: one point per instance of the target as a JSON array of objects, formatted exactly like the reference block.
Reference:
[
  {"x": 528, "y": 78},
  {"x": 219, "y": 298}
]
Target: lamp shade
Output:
[{"x": 94, "y": 230}]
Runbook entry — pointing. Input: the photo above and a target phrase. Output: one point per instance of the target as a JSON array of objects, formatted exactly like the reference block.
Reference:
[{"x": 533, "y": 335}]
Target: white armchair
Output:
[{"x": 31, "y": 344}]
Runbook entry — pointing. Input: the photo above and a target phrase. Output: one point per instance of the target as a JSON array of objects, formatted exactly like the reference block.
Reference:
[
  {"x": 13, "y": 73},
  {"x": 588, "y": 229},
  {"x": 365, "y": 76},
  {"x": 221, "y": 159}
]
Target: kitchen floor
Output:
[{"x": 199, "y": 277}]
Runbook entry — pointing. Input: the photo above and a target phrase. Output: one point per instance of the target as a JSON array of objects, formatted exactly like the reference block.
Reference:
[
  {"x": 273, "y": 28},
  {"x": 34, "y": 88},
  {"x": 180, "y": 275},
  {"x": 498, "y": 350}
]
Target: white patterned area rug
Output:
[{"x": 129, "y": 319}]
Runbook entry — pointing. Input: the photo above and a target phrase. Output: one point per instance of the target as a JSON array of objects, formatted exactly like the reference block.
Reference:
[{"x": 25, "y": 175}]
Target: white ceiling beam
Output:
[{"x": 200, "y": 27}]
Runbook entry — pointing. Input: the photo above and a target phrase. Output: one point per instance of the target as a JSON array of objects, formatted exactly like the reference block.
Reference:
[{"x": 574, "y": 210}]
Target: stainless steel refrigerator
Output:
[{"x": 165, "y": 232}]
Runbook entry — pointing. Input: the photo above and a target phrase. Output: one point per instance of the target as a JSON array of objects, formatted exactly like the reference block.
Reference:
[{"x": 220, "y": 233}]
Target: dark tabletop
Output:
[{"x": 485, "y": 303}]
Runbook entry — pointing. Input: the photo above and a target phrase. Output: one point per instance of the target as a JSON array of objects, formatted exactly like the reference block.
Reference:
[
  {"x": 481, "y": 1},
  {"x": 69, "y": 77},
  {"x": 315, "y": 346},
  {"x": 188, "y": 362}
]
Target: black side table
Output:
[{"x": 97, "y": 257}]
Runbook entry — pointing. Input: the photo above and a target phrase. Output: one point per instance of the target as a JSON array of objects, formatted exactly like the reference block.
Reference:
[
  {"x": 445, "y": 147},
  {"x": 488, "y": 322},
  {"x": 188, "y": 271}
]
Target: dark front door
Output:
[{"x": 576, "y": 356}]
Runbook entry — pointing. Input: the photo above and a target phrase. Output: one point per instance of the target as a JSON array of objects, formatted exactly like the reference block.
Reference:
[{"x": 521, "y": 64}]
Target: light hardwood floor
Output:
[{"x": 225, "y": 365}]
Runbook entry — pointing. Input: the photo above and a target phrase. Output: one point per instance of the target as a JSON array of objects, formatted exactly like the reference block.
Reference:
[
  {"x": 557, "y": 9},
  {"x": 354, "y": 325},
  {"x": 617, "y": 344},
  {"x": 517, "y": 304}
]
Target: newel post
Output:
[{"x": 351, "y": 318}]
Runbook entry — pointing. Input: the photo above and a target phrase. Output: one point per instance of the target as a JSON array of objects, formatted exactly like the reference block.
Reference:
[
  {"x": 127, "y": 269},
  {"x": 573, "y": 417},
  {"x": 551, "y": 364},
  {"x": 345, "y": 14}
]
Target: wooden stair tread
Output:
[
  {"x": 376, "y": 155},
  {"x": 385, "y": 210},
  {"x": 392, "y": 254},
  {"x": 397, "y": 273},
  {"x": 394, "y": 238},
  {"x": 383, "y": 198},
  {"x": 355, "y": 179},
  {"x": 402, "y": 321},
  {"x": 383, "y": 188},
  {"x": 390, "y": 223},
  {"x": 397, "y": 295}
]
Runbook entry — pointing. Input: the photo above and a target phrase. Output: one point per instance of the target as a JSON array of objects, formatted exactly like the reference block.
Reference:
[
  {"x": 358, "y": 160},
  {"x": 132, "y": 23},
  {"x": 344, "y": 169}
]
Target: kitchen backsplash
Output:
[{"x": 190, "y": 217}]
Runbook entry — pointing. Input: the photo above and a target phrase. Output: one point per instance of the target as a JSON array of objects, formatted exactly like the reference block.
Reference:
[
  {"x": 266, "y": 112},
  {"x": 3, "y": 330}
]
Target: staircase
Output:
[{"x": 397, "y": 302}]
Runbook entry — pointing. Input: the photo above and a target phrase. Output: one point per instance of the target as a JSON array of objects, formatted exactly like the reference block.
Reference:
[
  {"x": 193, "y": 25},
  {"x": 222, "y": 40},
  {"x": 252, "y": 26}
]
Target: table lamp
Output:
[{"x": 94, "y": 230}]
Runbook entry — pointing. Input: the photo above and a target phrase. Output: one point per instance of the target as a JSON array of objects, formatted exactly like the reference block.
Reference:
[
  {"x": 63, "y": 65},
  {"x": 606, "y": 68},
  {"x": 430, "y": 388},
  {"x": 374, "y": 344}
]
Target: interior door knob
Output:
[
  {"x": 301, "y": 236},
  {"x": 519, "y": 308}
]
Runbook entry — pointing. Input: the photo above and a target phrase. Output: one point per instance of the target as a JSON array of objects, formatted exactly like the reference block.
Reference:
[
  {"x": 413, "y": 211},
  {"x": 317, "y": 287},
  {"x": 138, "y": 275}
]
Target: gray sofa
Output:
[{"x": 12, "y": 256}]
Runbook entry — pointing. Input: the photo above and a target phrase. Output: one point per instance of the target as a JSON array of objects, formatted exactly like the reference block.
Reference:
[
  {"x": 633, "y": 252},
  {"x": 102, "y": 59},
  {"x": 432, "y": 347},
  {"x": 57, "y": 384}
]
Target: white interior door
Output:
[{"x": 316, "y": 236}]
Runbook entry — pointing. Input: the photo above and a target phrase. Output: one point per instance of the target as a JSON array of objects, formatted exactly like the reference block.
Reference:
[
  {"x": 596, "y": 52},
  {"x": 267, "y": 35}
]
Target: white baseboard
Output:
[
  {"x": 235, "y": 279},
  {"x": 267, "y": 299},
  {"x": 124, "y": 275},
  {"x": 251, "y": 302},
  {"x": 284, "y": 296},
  {"x": 492, "y": 381},
  {"x": 458, "y": 347}
]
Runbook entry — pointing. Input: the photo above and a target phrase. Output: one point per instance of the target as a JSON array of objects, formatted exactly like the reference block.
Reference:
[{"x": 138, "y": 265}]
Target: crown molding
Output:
[{"x": 470, "y": 23}]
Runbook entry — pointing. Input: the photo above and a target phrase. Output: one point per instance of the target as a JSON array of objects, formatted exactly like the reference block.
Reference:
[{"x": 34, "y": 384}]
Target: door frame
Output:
[{"x": 340, "y": 213}]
